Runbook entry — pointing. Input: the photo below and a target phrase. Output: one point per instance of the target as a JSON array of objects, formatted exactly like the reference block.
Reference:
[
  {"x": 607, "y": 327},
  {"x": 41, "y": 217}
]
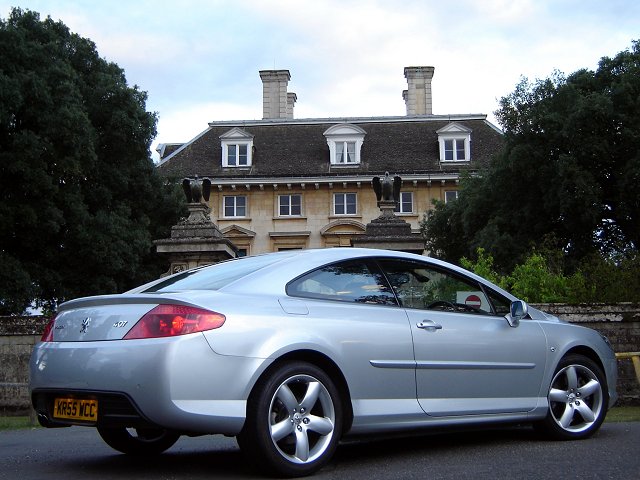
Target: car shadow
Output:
[
  {"x": 221, "y": 459},
  {"x": 213, "y": 464}
]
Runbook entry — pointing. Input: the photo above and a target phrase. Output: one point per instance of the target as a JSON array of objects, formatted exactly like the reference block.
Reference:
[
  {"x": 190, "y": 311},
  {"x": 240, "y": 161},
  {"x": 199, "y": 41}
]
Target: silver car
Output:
[{"x": 292, "y": 351}]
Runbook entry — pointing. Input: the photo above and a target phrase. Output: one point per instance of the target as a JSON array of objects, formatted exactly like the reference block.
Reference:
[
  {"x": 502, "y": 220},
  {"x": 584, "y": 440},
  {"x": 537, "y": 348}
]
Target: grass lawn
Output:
[
  {"x": 616, "y": 414},
  {"x": 623, "y": 414},
  {"x": 13, "y": 423}
]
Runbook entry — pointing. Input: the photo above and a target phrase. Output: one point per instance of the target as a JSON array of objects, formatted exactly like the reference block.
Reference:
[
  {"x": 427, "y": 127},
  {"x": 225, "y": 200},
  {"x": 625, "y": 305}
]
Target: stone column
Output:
[
  {"x": 195, "y": 241},
  {"x": 389, "y": 231}
]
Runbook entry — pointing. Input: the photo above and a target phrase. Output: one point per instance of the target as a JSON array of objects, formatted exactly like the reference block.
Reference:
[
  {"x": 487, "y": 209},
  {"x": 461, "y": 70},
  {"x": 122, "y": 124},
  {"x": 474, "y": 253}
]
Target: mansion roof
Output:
[{"x": 298, "y": 148}]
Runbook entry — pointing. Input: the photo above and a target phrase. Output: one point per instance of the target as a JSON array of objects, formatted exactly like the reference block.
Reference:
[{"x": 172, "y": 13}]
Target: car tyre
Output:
[
  {"x": 138, "y": 441},
  {"x": 294, "y": 421},
  {"x": 578, "y": 400}
]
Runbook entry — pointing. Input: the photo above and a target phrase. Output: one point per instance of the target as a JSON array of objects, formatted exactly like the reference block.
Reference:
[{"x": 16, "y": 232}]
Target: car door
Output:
[
  {"x": 352, "y": 306},
  {"x": 469, "y": 360}
]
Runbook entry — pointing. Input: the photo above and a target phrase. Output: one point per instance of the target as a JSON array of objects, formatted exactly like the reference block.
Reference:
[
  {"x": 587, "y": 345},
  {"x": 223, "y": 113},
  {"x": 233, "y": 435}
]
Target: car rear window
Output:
[{"x": 216, "y": 276}]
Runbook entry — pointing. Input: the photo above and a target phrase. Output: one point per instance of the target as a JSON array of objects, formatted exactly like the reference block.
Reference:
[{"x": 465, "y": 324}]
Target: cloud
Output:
[{"x": 199, "y": 59}]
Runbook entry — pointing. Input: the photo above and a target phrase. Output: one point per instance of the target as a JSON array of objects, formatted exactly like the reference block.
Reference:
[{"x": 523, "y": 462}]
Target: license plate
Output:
[{"x": 76, "y": 409}]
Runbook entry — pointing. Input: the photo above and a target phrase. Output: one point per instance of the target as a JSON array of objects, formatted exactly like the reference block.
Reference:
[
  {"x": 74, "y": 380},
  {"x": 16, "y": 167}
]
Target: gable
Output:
[
  {"x": 236, "y": 231},
  {"x": 236, "y": 134},
  {"x": 343, "y": 227},
  {"x": 454, "y": 128},
  {"x": 344, "y": 129}
]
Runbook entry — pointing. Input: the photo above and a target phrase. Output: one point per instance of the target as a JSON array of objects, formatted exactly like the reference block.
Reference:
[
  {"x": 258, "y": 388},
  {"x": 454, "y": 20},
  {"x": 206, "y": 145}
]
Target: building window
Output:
[
  {"x": 454, "y": 140},
  {"x": 405, "y": 205},
  {"x": 344, "y": 204},
  {"x": 454, "y": 150},
  {"x": 235, "y": 206},
  {"x": 344, "y": 141},
  {"x": 237, "y": 155},
  {"x": 345, "y": 152},
  {"x": 450, "y": 195},
  {"x": 237, "y": 148},
  {"x": 290, "y": 205}
]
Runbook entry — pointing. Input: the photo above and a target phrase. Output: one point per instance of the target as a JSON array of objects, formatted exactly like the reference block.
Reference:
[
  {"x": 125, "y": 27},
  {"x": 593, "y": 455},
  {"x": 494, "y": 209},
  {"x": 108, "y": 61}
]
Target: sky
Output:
[{"x": 198, "y": 60}]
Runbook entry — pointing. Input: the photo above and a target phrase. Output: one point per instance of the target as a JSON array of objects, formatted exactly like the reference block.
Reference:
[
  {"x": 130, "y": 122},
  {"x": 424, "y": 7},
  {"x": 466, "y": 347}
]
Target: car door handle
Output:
[{"x": 429, "y": 325}]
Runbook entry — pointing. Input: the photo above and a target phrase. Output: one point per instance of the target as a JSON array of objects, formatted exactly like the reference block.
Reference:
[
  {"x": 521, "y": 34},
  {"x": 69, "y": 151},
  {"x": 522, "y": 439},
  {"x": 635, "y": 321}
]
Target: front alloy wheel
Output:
[
  {"x": 293, "y": 421},
  {"x": 578, "y": 399}
]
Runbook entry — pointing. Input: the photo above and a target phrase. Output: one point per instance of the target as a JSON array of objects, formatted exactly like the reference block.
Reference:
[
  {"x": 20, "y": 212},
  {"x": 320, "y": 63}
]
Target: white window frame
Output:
[
  {"x": 340, "y": 137},
  {"x": 454, "y": 147},
  {"x": 399, "y": 207},
  {"x": 237, "y": 138},
  {"x": 345, "y": 203},
  {"x": 226, "y": 147},
  {"x": 459, "y": 137},
  {"x": 346, "y": 152},
  {"x": 234, "y": 206},
  {"x": 289, "y": 205}
]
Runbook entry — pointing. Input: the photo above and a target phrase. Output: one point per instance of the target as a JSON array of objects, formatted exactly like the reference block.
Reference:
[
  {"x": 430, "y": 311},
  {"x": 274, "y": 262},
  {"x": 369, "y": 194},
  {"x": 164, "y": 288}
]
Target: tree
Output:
[
  {"x": 567, "y": 172},
  {"x": 80, "y": 198},
  {"x": 541, "y": 278}
]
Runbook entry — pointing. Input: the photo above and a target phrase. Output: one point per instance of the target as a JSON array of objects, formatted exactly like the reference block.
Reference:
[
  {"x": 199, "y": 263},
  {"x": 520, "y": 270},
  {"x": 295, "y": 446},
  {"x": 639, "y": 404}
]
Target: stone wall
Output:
[
  {"x": 620, "y": 323},
  {"x": 18, "y": 335}
]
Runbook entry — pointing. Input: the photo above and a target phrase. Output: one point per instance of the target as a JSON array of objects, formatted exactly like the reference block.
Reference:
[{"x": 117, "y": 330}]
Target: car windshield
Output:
[{"x": 216, "y": 276}]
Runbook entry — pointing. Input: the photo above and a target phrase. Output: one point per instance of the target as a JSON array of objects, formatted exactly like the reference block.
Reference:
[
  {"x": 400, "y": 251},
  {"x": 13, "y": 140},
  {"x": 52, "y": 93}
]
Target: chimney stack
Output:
[
  {"x": 291, "y": 101},
  {"x": 418, "y": 96},
  {"x": 276, "y": 101}
]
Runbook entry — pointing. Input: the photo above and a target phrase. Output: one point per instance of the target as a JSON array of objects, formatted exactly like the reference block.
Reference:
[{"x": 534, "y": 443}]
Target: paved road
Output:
[{"x": 513, "y": 453}]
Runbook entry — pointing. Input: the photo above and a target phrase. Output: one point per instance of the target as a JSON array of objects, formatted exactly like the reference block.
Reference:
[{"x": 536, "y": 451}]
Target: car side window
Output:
[
  {"x": 422, "y": 286},
  {"x": 352, "y": 281},
  {"x": 501, "y": 305}
]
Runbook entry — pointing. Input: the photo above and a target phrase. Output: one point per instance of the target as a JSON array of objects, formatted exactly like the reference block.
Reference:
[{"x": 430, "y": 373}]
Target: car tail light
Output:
[
  {"x": 47, "y": 335},
  {"x": 173, "y": 320}
]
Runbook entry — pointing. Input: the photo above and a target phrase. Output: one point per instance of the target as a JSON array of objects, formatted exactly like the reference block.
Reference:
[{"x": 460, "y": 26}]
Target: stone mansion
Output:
[{"x": 282, "y": 183}]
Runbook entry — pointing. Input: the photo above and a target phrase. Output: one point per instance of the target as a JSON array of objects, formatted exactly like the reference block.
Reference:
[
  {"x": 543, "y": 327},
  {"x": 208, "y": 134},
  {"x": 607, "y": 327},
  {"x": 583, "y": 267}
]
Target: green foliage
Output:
[
  {"x": 81, "y": 200},
  {"x": 483, "y": 266},
  {"x": 569, "y": 171},
  {"x": 540, "y": 278},
  {"x": 533, "y": 281},
  {"x": 609, "y": 281}
]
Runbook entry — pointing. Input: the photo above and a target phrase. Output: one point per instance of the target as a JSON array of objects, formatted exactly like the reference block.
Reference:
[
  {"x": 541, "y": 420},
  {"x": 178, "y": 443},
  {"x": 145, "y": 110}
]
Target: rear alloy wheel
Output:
[
  {"x": 578, "y": 399},
  {"x": 138, "y": 441},
  {"x": 294, "y": 421}
]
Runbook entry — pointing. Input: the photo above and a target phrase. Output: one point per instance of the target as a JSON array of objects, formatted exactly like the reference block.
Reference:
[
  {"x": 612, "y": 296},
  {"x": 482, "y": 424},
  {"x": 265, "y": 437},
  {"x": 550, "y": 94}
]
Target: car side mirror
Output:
[{"x": 517, "y": 312}]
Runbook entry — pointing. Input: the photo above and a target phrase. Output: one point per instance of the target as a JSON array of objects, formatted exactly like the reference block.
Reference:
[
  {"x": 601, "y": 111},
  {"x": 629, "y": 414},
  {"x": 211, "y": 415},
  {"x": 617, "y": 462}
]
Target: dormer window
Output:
[
  {"x": 237, "y": 155},
  {"x": 346, "y": 152},
  {"x": 344, "y": 141},
  {"x": 237, "y": 148},
  {"x": 455, "y": 143}
]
